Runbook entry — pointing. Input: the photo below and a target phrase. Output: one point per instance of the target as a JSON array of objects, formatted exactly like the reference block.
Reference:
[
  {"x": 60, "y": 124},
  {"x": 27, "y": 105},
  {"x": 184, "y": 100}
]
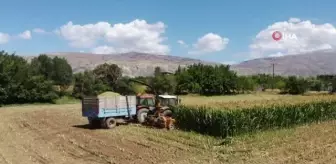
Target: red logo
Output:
[{"x": 276, "y": 35}]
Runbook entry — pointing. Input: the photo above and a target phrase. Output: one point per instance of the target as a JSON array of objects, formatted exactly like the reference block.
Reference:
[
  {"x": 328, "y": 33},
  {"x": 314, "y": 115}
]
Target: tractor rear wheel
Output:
[
  {"x": 141, "y": 115},
  {"x": 110, "y": 123}
]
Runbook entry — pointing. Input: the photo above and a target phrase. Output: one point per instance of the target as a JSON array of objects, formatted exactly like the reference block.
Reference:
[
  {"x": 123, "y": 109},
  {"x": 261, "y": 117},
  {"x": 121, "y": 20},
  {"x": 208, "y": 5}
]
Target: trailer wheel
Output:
[
  {"x": 141, "y": 115},
  {"x": 110, "y": 123}
]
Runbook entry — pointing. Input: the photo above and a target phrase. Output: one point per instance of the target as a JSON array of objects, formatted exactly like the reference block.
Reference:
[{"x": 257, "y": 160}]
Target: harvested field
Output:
[{"x": 58, "y": 134}]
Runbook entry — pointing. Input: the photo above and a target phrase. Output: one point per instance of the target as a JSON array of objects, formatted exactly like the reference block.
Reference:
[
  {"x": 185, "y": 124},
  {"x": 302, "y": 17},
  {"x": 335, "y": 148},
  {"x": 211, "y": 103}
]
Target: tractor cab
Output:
[
  {"x": 145, "y": 100},
  {"x": 148, "y": 100},
  {"x": 169, "y": 100}
]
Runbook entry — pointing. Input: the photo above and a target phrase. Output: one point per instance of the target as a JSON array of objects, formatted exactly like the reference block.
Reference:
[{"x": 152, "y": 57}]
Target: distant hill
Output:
[
  {"x": 143, "y": 64},
  {"x": 309, "y": 64},
  {"x": 132, "y": 64}
]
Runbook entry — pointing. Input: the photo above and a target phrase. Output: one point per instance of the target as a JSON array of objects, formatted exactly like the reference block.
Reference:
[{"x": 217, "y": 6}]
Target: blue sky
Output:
[{"x": 237, "y": 23}]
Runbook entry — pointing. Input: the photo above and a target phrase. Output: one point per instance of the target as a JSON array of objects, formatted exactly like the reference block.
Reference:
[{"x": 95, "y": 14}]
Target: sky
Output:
[{"x": 227, "y": 31}]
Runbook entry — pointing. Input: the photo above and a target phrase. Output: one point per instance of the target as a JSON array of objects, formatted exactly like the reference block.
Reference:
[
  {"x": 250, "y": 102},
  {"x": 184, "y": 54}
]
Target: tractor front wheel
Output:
[
  {"x": 141, "y": 115},
  {"x": 167, "y": 113}
]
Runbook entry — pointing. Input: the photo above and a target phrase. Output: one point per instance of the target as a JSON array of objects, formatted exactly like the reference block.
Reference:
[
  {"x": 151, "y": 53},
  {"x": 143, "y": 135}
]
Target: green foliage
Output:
[
  {"x": 315, "y": 84},
  {"x": 62, "y": 73},
  {"x": 56, "y": 69},
  {"x": 42, "y": 65},
  {"x": 206, "y": 79},
  {"x": 87, "y": 84},
  {"x": 295, "y": 85},
  {"x": 231, "y": 122},
  {"x": 124, "y": 87},
  {"x": 38, "y": 89},
  {"x": 108, "y": 74},
  {"x": 20, "y": 83},
  {"x": 280, "y": 85},
  {"x": 157, "y": 71},
  {"x": 163, "y": 83},
  {"x": 266, "y": 81},
  {"x": 245, "y": 83}
]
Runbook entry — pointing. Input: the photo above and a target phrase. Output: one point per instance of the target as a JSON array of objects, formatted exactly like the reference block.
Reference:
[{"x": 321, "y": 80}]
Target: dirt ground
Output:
[{"x": 58, "y": 134}]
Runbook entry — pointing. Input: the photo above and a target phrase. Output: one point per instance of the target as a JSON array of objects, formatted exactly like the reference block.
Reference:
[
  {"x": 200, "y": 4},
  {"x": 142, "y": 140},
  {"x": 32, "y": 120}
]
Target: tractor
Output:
[
  {"x": 154, "y": 108},
  {"x": 146, "y": 103}
]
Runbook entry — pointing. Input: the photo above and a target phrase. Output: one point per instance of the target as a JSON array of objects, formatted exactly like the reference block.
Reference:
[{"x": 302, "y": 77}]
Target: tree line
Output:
[{"x": 46, "y": 78}]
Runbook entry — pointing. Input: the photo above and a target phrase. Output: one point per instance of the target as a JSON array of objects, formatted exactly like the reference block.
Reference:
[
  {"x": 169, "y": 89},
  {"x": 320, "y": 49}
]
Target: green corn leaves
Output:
[{"x": 231, "y": 122}]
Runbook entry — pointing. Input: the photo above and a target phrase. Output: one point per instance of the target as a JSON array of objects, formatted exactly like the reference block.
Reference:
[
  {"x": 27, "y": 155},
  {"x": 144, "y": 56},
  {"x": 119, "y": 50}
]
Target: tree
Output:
[
  {"x": 296, "y": 85},
  {"x": 38, "y": 89},
  {"x": 164, "y": 84},
  {"x": 124, "y": 86},
  {"x": 20, "y": 84},
  {"x": 62, "y": 75},
  {"x": 13, "y": 73},
  {"x": 328, "y": 80},
  {"x": 281, "y": 84},
  {"x": 157, "y": 71},
  {"x": 245, "y": 83},
  {"x": 206, "y": 79},
  {"x": 86, "y": 84},
  {"x": 42, "y": 65},
  {"x": 315, "y": 84},
  {"x": 108, "y": 74}
]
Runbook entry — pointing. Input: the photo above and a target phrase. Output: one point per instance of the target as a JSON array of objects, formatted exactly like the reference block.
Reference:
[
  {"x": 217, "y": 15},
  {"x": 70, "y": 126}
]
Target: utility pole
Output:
[{"x": 272, "y": 76}]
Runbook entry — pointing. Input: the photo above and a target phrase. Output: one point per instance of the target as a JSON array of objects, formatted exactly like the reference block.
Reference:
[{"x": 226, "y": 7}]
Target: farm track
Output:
[{"x": 46, "y": 134}]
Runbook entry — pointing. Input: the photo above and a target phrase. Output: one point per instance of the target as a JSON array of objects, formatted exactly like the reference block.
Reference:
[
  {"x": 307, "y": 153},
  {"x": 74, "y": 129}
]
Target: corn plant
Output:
[{"x": 230, "y": 122}]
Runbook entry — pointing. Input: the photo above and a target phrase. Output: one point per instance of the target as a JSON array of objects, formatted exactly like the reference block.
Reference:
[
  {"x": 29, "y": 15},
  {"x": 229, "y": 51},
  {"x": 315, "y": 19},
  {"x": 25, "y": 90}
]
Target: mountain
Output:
[
  {"x": 143, "y": 64},
  {"x": 308, "y": 64},
  {"x": 132, "y": 63}
]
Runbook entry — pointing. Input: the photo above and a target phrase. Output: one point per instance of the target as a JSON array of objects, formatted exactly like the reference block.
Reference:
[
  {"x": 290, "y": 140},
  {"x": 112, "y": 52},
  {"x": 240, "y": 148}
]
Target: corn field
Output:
[{"x": 235, "y": 121}]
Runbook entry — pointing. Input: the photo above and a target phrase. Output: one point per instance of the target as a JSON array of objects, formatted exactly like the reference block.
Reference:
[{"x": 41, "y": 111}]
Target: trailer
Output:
[{"x": 108, "y": 111}]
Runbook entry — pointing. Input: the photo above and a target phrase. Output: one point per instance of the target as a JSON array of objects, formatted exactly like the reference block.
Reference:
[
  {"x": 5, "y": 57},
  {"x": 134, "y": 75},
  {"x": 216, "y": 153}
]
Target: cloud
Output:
[
  {"x": 39, "y": 31},
  {"x": 25, "y": 35},
  {"x": 103, "y": 50},
  {"x": 310, "y": 37},
  {"x": 209, "y": 43},
  {"x": 4, "y": 38},
  {"x": 294, "y": 20},
  {"x": 137, "y": 35},
  {"x": 182, "y": 43}
]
